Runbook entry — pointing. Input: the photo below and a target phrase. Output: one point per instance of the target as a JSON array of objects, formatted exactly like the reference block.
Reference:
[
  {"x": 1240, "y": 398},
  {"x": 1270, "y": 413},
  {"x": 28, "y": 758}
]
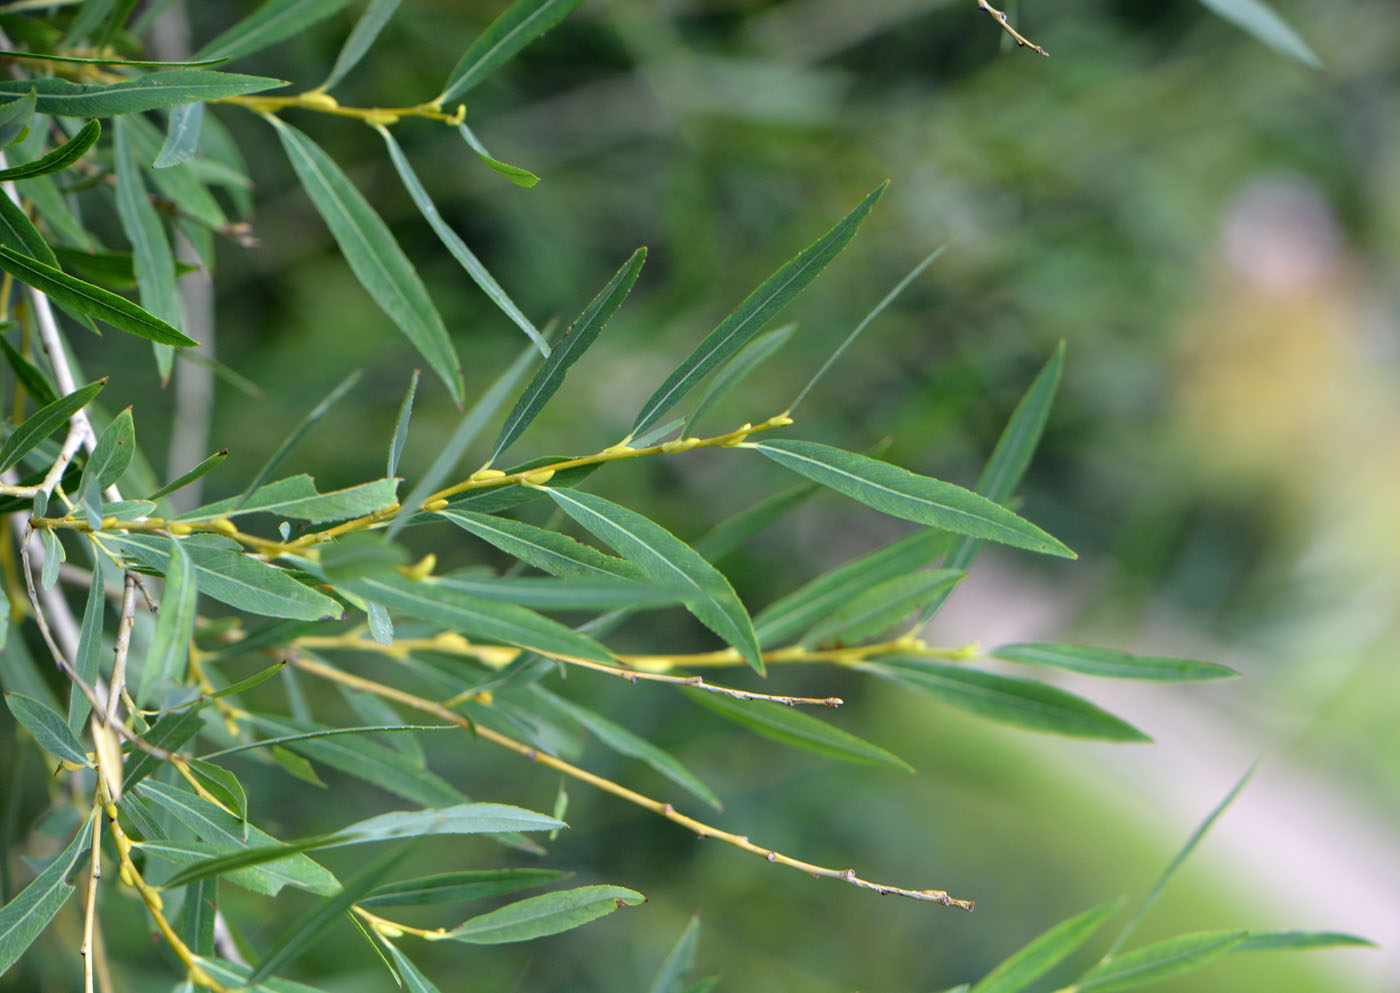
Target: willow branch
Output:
[
  {"x": 1000, "y": 18},
  {"x": 699, "y": 828}
]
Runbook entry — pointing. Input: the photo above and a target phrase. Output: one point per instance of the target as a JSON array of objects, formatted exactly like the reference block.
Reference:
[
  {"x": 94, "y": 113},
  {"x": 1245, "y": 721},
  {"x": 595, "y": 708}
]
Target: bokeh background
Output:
[{"x": 1211, "y": 227}]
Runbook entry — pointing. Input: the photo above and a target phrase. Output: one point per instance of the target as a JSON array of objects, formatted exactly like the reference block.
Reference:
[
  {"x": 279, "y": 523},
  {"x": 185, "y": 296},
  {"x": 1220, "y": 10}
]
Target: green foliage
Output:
[{"x": 185, "y": 722}]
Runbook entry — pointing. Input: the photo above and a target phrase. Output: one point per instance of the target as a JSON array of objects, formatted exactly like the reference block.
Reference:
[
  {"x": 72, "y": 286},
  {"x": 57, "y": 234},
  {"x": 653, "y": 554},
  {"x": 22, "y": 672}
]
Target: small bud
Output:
[
  {"x": 539, "y": 477},
  {"x": 108, "y": 523},
  {"x": 315, "y": 99},
  {"x": 388, "y": 930},
  {"x": 483, "y": 474},
  {"x": 224, "y": 526},
  {"x": 435, "y": 505},
  {"x": 621, "y": 448},
  {"x": 179, "y": 530}
]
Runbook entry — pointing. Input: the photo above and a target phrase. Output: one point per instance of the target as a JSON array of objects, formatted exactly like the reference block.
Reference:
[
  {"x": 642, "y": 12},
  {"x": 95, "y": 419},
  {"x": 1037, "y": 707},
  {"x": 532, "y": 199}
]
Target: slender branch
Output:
[
  {"x": 86, "y": 949},
  {"x": 658, "y": 807},
  {"x": 1000, "y": 18},
  {"x": 123, "y": 648},
  {"x": 324, "y": 103}
]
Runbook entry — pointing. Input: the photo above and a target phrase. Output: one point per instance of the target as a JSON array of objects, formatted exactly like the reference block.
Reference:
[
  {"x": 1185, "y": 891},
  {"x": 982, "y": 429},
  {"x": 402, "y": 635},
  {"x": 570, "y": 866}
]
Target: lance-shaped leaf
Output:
[
  {"x": 304, "y": 932},
  {"x": 181, "y": 136},
  {"x": 178, "y": 183},
  {"x": 670, "y": 978},
  {"x": 566, "y": 593},
  {"x": 225, "y": 833},
  {"x": 296, "y": 497},
  {"x": 114, "y": 270},
  {"x": 761, "y": 306},
  {"x": 792, "y": 727},
  {"x": 519, "y": 176},
  {"x": 26, "y": 916},
  {"x": 222, "y": 785},
  {"x": 230, "y": 576},
  {"x": 94, "y": 301},
  {"x": 170, "y": 645},
  {"x": 272, "y": 22},
  {"x": 152, "y": 259},
  {"x": 361, "y": 37},
  {"x": 197, "y": 916},
  {"x": 235, "y": 977},
  {"x": 180, "y": 482},
  {"x": 1263, "y": 22},
  {"x": 666, "y": 559},
  {"x": 109, "y": 459},
  {"x": 1023, "y": 704},
  {"x": 437, "y": 603},
  {"x": 169, "y": 734},
  {"x": 48, "y": 729},
  {"x": 454, "y": 244},
  {"x": 18, "y": 233},
  {"x": 15, "y": 116},
  {"x": 1111, "y": 664},
  {"x": 901, "y": 493},
  {"x": 88, "y": 662},
  {"x": 548, "y": 551},
  {"x": 134, "y": 96},
  {"x": 401, "y": 426},
  {"x": 1159, "y": 961},
  {"x": 413, "y": 979},
  {"x": 44, "y": 422},
  {"x": 624, "y": 742},
  {"x": 1271, "y": 941},
  {"x": 60, "y": 158},
  {"x": 458, "y": 887},
  {"x": 735, "y": 371},
  {"x": 879, "y": 608},
  {"x": 1045, "y": 952},
  {"x": 551, "y": 913},
  {"x": 580, "y": 336},
  {"x": 374, "y": 256},
  {"x": 521, "y": 23},
  {"x": 815, "y": 601}
]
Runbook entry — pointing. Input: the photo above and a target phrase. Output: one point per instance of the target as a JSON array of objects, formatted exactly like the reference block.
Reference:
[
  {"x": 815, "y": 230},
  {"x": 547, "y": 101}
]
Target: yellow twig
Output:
[
  {"x": 665, "y": 810},
  {"x": 86, "y": 949},
  {"x": 1021, "y": 40}
]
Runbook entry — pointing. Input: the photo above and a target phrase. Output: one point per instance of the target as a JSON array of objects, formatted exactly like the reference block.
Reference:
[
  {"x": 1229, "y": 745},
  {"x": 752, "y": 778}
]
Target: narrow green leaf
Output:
[
  {"x": 272, "y": 22},
  {"x": 457, "y": 246},
  {"x": 568, "y": 593},
  {"x": 1259, "y": 19},
  {"x": 875, "y": 312},
  {"x": 177, "y": 183},
  {"x": 401, "y": 424},
  {"x": 296, "y": 435},
  {"x": 360, "y": 553},
  {"x": 169, "y": 734},
  {"x": 548, "y": 551},
  {"x": 624, "y": 742},
  {"x": 54, "y": 557},
  {"x": 134, "y": 96},
  {"x": 223, "y": 785},
  {"x": 197, "y": 915},
  {"x": 708, "y": 984},
  {"x": 577, "y": 339},
  {"x": 437, "y": 603},
  {"x": 109, "y": 460},
  {"x": 88, "y": 662},
  {"x": 170, "y": 644},
  {"x": 60, "y": 158},
  {"x": 735, "y": 371},
  {"x": 1269, "y": 941},
  {"x": 15, "y": 115},
  {"x": 296, "y": 497},
  {"x": 1159, "y": 961},
  {"x": 800, "y": 610},
  {"x": 114, "y": 270},
  {"x": 26, "y": 916},
  {"x": 521, "y": 23},
  {"x": 361, "y": 37},
  {"x": 1045, "y": 952},
  {"x": 523, "y": 178},
  {"x": 482, "y": 411},
  {"x": 670, "y": 978},
  {"x": 124, "y": 63},
  {"x": 1111, "y": 664},
  {"x": 224, "y": 572},
  {"x": 18, "y": 233},
  {"x": 901, "y": 493},
  {"x": 181, "y": 135},
  {"x": 757, "y": 310},
  {"x": 48, "y": 729},
  {"x": 664, "y": 558},
  {"x": 792, "y": 727},
  {"x": 226, "y": 833},
  {"x": 304, "y": 932},
  {"x": 732, "y": 533},
  {"x": 1028, "y": 705},
  {"x": 93, "y": 300},
  {"x": 366, "y": 760},
  {"x": 236, "y": 976},
  {"x": 89, "y": 17},
  {"x": 458, "y": 887},
  {"x": 413, "y": 980},
  {"x": 208, "y": 464},
  {"x": 881, "y": 607},
  {"x": 35, "y": 383},
  {"x": 1177, "y": 860},
  {"x": 550, "y": 913},
  {"x": 374, "y": 256},
  {"x": 44, "y": 422}
]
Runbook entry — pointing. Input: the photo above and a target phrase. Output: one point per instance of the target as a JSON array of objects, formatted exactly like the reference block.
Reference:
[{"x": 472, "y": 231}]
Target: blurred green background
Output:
[{"x": 1211, "y": 227}]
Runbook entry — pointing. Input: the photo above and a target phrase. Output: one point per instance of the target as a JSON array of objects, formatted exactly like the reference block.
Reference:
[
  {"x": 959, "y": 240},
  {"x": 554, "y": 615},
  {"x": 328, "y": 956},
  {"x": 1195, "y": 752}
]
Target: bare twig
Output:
[{"x": 1021, "y": 40}]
